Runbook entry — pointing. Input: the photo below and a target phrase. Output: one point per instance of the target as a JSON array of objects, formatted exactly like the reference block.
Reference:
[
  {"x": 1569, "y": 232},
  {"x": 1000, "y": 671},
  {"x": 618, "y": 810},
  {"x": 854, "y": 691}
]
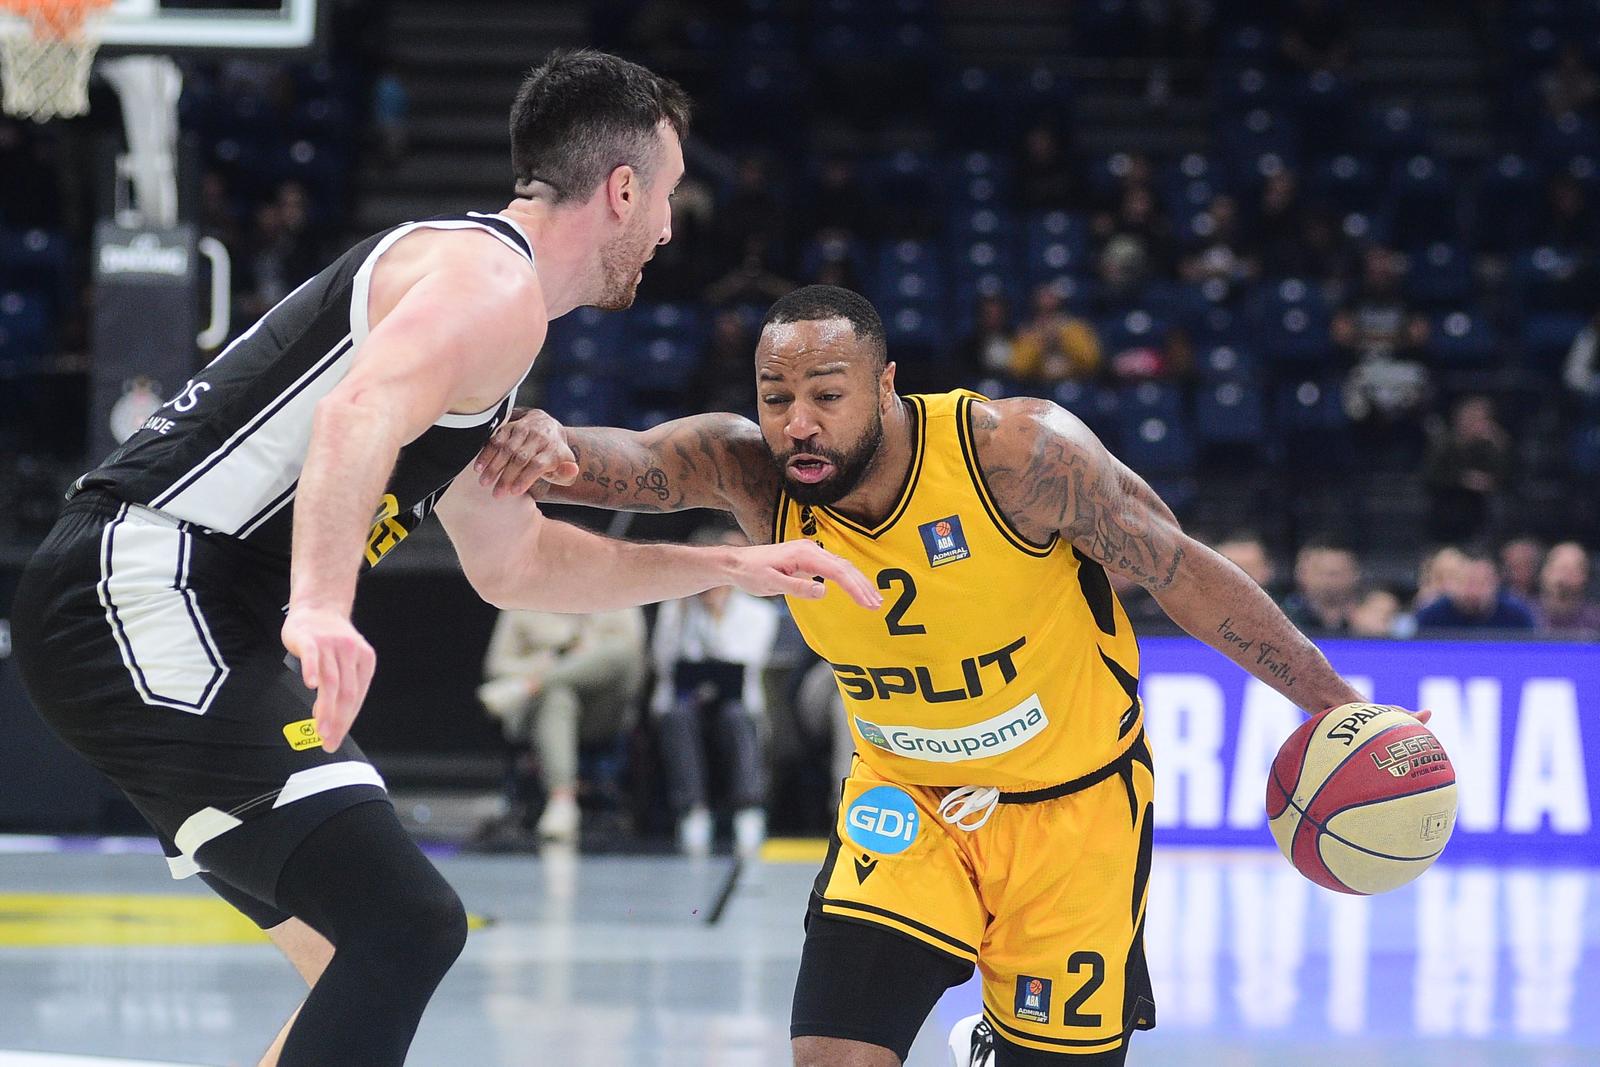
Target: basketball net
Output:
[{"x": 44, "y": 73}]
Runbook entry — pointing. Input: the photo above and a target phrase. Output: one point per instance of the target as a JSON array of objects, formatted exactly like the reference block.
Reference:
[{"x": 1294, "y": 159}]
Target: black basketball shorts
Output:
[{"x": 152, "y": 648}]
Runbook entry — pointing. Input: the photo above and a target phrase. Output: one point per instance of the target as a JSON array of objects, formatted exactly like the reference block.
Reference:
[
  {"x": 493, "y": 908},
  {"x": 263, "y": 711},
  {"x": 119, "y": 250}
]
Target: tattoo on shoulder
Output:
[{"x": 1047, "y": 483}]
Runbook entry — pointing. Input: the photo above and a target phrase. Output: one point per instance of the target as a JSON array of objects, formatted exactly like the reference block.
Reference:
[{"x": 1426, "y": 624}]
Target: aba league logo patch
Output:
[
  {"x": 1033, "y": 998},
  {"x": 944, "y": 541}
]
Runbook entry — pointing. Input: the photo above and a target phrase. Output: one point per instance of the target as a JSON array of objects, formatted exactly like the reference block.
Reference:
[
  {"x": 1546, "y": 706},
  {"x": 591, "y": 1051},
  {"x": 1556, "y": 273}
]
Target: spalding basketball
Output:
[{"x": 1362, "y": 798}]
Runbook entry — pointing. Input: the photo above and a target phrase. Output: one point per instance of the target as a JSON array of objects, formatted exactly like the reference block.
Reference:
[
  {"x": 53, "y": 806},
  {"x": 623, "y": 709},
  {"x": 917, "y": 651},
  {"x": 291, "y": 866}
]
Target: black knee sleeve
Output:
[
  {"x": 396, "y": 928},
  {"x": 862, "y": 982}
]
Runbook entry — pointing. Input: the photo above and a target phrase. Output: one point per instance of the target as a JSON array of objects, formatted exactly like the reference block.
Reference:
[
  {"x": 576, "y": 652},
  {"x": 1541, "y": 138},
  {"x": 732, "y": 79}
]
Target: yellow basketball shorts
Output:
[{"x": 1047, "y": 898}]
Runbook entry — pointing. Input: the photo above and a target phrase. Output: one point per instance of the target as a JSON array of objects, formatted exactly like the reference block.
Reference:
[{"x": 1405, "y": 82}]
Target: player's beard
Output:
[
  {"x": 621, "y": 260},
  {"x": 849, "y": 467}
]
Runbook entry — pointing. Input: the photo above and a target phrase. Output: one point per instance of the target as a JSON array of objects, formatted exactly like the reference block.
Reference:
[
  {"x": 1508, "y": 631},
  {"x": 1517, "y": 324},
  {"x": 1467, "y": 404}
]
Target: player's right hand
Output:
[
  {"x": 531, "y": 447},
  {"x": 791, "y": 568},
  {"x": 336, "y": 661}
]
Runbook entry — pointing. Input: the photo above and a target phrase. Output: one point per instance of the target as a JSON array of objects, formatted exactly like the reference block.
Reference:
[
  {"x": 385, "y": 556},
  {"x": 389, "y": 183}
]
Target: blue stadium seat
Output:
[
  {"x": 1311, "y": 408},
  {"x": 913, "y": 326},
  {"x": 1586, "y": 452},
  {"x": 1546, "y": 337},
  {"x": 1422, "y": 205},
  {"x": 643, "y": 417},
  {"x": 1562, "y": 137},
  {"x": 1394, "y": 132},
  {"x": 1504, "y": 200},
  {"x": 1230, "y": 412},
  {"x": 668, "y": 319},
  {"x": 665, "y": 364},
  {"x": 582, "y": 400},
  {"x": 1440, "y": 276},
  {"x": 1324, "y": 102},
  {"x": 1292, "y": 323},
  {"x": 1461, "y": 339},
  {"x": 36, "y": 259},
  {"x": 1549, "y": 280},
  {"x": 1239, "y": 89},
  {"x": 1162, "y": 399},
  {"x": 1228, "y": 363},
  {"x": 974, "y": 111},
  {"x": 1250, "y": 43},
  {"x": 1134, "y": 328},
  {"x": 1156, "y": 444},
  {"x": 1260, "y": 131},
  {"x": 1345, "y": 181}
]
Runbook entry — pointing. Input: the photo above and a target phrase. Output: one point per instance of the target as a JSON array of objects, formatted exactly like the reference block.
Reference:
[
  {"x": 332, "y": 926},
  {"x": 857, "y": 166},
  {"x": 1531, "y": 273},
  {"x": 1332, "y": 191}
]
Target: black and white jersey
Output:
[{"x": 225, "y": 454}]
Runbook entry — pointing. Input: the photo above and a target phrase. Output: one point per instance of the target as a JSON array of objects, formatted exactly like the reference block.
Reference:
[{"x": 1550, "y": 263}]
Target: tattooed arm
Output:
[
  {"x": 1052, "y": 477},
  {"x": 716, "y": 460}
]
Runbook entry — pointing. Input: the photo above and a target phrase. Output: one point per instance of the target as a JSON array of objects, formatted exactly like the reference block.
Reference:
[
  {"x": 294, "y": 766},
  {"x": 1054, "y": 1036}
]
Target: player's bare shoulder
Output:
[
  {"x": 726, "y": 454},
  {"x": 1034, "y": 456}
]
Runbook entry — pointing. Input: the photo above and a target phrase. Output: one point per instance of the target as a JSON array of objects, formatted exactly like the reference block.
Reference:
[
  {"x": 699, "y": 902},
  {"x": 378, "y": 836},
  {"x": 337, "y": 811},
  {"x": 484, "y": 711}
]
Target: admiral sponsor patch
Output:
[{"x": 944, "y": 541}]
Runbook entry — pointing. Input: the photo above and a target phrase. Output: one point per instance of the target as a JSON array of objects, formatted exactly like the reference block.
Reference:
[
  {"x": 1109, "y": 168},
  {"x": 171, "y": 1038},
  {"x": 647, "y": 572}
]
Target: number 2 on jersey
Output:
[{"x": 887, "y": 579}]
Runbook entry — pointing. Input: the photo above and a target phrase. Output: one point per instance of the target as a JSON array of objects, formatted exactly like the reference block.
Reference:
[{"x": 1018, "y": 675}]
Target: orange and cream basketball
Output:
[{"x": 1362, "y": 798}]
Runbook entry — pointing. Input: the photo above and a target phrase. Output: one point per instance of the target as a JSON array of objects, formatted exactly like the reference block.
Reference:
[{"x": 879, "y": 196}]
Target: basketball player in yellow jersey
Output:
[{"x": 998, "y": 811}]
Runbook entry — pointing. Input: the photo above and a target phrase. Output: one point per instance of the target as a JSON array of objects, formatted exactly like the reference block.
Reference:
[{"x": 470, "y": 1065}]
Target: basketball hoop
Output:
[{"x": 44, "y": 71}]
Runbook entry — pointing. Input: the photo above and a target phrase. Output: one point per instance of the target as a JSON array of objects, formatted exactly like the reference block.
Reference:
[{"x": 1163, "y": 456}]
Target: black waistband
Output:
[{"x": 1139, "y": 751}]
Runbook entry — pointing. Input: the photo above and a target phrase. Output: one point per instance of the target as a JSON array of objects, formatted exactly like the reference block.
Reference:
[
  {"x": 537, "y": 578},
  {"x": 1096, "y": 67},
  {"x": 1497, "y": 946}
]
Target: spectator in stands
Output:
[
  {"x": 1245, "y": 550},
  {"x": 556, "y": 682},
  {"x": 1139, "y": 218},
  {"x": 989, "y": 351},
  {"x": 836, "y": 202},
  {"x": 751, "y": 221},
  {"x": 1383, "y": 342},
  {"x": 1570, "y": 85},
  {"x": 1565, "y": 604},
  {"x": 721, "y": 380},
  {"x": 1168, "y": 356},
  {"x": 1277, "y": 232},
  {"x": 1582, "y": 371},
  {"x": 1434, "y": 573},
  {"x": 1047, "y": 178},
  {"x": 1379, "y": 613},
  {"x": 1316, "y": 35},
  {"x": 1473, "y": 599},
  {"x": 1327, "y": 581},
  {"x": 1467, "y": 467},
  {"x": 1569, "y": 221},
  {"x": 280, "y": 248},
  {"x": 709, "y": 651},
  {"x": 1123, "y": 268},
  {"x": 1520, "y": 560},
  {"x": 1054, "y": 345},
  {"x": 1221, "y": 254}
]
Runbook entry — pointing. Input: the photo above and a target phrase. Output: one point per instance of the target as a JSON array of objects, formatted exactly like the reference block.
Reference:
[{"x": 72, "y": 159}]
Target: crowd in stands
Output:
[{"x": 1321, "y": 290}]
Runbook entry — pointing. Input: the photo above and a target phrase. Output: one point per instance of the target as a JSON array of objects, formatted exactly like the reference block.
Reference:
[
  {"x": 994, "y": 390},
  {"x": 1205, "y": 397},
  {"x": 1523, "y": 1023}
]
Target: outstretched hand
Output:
[
  {"x": 529, "y": 448},
  {"x": 791, "y": 568}
]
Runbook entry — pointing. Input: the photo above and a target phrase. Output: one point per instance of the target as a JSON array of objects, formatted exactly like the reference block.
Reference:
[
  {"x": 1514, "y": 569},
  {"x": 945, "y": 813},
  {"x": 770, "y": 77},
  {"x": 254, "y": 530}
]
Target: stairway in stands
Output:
[{"x": 460, "y": 63}]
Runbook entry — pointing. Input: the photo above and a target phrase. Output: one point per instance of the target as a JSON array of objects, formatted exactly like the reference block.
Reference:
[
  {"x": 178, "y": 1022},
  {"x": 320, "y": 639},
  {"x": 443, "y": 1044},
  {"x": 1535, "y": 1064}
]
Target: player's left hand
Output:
[
  {"x": 791, "y": 568},
  {"x": 336, "y": 661},
  {"x": 531, "y": 447}
]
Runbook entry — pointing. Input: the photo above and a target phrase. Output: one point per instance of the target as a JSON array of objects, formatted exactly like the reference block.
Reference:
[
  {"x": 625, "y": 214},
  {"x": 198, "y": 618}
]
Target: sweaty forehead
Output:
[{"x": 792, "y": 348}]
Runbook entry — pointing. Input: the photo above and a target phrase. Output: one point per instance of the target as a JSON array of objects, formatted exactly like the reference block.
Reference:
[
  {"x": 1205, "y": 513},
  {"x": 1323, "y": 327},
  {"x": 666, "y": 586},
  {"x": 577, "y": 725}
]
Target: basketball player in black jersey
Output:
[{"x": 152, "y": 624}]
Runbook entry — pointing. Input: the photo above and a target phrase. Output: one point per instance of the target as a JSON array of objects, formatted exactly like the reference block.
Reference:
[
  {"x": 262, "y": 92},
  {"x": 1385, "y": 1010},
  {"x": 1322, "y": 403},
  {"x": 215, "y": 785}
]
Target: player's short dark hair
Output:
[
  {"x": 581, "y": 114},
  {"x": 813, "y": 303}
]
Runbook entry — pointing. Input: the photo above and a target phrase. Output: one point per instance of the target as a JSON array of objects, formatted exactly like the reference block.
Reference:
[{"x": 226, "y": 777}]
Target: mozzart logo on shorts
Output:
[
  {"x": 884, "y": 819},
  {"x": 1006, "y": 731}
]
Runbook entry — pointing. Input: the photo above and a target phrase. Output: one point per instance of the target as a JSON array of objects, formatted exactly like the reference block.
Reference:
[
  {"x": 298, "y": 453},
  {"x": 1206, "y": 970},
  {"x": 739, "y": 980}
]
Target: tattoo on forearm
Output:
[
  {"x": 654, "y": 481},
  {"x": 1268, "y": 656},
  {"x": 698, "y": 464}
]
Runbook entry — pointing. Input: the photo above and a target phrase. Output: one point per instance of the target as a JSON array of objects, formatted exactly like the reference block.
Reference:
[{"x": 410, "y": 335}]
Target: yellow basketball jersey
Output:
[{"x": 995, "y": 661}]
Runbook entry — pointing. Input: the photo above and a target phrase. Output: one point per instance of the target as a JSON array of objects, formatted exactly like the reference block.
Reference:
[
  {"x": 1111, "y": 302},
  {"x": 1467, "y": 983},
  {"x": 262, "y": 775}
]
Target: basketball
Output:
[{"x": 1362, "y": 798}]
